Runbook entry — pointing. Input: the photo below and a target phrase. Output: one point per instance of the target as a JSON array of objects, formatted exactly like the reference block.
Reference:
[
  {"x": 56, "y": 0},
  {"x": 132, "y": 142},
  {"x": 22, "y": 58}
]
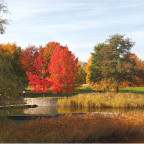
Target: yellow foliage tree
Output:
[
  {"x": 87, "y": 70},
  {"x": 8, "y": 49}
]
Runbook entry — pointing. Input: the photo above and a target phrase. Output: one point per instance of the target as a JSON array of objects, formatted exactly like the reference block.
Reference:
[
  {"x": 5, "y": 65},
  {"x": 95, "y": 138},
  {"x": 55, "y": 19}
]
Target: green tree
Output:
[
  {"x": 10, "y": 83},
  {"x": 109, "y": 63},
  {"x": 11, "y": 74},
  {"x": 3, "y": 22},
  {"x": 95, "y": 72}
]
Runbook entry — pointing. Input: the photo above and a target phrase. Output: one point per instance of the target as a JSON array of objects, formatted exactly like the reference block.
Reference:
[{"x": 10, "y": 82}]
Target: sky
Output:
[{"x": 79, "y": 24}]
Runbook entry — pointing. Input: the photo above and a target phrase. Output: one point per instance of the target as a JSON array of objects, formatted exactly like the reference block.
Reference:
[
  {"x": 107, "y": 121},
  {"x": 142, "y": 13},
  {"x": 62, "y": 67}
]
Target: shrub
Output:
[{"x": 73, "y": 128}]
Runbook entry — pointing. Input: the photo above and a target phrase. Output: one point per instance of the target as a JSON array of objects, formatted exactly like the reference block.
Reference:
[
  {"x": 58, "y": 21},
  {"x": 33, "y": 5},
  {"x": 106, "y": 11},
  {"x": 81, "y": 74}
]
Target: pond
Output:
[{"x": 52, "y": 110}]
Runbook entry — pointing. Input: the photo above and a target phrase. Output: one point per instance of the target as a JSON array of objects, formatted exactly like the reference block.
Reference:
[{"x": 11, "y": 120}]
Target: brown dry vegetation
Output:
[
  {"x": 74, "y": 128},
  {"x": 104, "y": 100}
]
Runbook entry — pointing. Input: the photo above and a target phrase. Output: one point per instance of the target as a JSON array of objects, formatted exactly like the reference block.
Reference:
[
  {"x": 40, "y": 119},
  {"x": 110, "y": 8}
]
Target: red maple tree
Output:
[
  {"x": 28, "y": 58},
  {"x": 40, "y": 81},
  {"x": 63, "y": 68}
]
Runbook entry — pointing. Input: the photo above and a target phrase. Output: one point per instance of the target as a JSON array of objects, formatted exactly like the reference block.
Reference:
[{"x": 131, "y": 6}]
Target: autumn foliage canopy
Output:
[
  {"x": 28, "y": 58},
  {"x": 39, "y": 82},
  {"x": 63, "y": 69},
  {"x": 113, "y": 66},
  {"x": 54, "y": 68},
  {"x": 58, "y": 71}
]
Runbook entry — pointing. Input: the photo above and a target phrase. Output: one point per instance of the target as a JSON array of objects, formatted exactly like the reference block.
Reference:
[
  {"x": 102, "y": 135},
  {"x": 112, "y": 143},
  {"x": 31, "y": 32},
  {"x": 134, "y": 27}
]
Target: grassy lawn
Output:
[
  {"x": 133, "y": 90},
  {"x": 28, "y": 89},
  {"x": 80, "y": 90}
]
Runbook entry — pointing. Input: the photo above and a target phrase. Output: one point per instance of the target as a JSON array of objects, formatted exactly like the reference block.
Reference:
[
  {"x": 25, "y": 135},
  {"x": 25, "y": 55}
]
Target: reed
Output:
[{"x": 104, "y": 100}]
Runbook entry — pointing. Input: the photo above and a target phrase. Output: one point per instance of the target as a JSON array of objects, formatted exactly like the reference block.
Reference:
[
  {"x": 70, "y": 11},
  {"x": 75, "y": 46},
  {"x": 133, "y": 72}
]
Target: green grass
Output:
[
  {"x": 133, "y": 90},
  {"x": 29, "y": 88},
  {"x": 82, "y": 90}
]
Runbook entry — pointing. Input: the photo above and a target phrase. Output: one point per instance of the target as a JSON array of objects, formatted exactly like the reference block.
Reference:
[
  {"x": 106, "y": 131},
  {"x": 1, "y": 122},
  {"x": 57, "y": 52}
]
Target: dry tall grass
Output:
[
  {"x": 73, "y": 128},
  {"x": 104, "y": 100}
]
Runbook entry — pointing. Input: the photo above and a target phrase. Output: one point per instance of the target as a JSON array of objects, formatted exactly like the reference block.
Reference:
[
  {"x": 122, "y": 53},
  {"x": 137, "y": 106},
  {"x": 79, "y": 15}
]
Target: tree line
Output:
[
  {"x": 54, "y": 68},
  {"x": 51, "y": 68}
]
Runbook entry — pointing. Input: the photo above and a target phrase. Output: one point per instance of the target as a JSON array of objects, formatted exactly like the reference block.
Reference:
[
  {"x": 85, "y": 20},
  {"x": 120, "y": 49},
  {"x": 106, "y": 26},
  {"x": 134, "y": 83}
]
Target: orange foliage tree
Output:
[
  {"x": 10, "y": 49},
  {"x": 138, "y": 77},
  {"x": 47, "y": 51}
]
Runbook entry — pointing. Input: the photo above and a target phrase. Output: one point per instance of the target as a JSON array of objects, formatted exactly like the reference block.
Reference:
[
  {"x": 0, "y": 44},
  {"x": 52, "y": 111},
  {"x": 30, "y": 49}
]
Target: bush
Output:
[{"x": 73, "y": 128}]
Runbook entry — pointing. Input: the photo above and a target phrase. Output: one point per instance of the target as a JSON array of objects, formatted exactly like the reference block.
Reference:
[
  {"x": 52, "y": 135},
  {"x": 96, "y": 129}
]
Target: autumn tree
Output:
[
  {"x": 81, "y": 73},
  {"x": 8, "y": 49},
  {"x": 108, "y": 63},
  {"x": 87, "y": 70},
  {"x": 15, "y": 52},
  {"x": 47, "y": 51},
  {"x": 94, "y": 76},
  {"x": 40, "y": 81},
  {"x": 139, "y": 70},
  {"x": 63, "y": 69},
  {"x": 138, "y": 73},
  {"x": 100, "y": 85},
  {"x": 11, "y": 73},
  {"x": 28, "y": 58},
  {"x": 3, "y": 22}
]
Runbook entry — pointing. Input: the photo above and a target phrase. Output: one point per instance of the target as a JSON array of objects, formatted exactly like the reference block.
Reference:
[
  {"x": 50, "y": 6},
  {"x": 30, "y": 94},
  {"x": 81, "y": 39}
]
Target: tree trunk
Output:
[
  {"x": 117, "y": 89},
  {"x": 61, "y": 93},
  {"x": 43, "y": 94}
]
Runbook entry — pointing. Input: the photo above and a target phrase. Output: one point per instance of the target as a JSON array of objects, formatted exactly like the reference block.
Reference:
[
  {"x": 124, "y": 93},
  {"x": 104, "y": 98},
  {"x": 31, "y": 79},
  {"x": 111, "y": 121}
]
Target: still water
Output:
[{"x": 47, "y": 110}]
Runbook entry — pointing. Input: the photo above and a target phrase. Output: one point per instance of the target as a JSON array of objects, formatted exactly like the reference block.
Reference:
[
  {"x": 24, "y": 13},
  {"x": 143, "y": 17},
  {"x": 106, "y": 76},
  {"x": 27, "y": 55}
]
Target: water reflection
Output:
[
  {"x": 41, "y": 110},
  {"x": 58, "y": 110}
]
